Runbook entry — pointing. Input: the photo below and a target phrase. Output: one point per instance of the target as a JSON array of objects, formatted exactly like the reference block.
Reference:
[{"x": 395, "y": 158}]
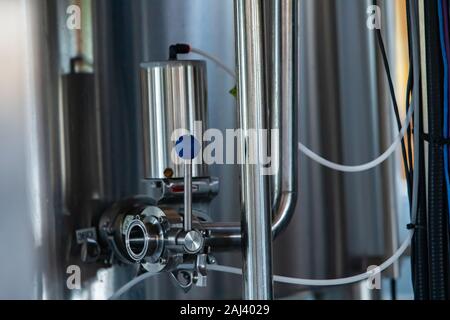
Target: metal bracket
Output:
[
  {"x": 184, "y": 279},
  {"x": 90, "y": 249},
  {"x": 172, "y": 190}
]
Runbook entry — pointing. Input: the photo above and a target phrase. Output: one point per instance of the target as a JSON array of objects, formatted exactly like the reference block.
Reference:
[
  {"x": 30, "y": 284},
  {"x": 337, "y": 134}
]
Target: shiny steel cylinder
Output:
[
  {"x": 284, "y": 115},
  {"x": 173, "y": 98},
  {"x": 274, "y": 93},
  {"x": 188, "y": 196},
  {"x": 255, "y": 199}
]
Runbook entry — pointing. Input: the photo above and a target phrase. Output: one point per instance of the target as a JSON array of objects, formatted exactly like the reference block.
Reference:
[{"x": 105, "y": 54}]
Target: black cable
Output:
[
  {"x": 409, "y": 132},
  {"x": 437, "y": 216},
  {"x": 393, "y": 289},
  {"x": 420, "y": 239},
  {"x": 407, "y": 157},
  {"x": 419, "y": 245},
  {"x": 396, "y": 109},
  {"x": 409, "y": 137},
  {"x": 406, "y": 162},
  {"x": 409, "y": 88}
]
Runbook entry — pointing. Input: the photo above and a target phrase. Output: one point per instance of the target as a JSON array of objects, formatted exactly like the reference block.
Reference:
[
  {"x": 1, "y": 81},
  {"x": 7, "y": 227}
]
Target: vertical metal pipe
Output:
[
  {"x": 274, "y": 81},
  {"x": 284, "y": 112},
  {"x": 188, "y": 195},
  {"x": 256, "y": 220}
]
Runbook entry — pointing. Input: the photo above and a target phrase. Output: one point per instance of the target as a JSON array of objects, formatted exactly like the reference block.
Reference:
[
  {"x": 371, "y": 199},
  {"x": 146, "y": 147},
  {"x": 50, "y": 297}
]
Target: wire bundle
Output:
[
  {"x": 438, "y": 111},
  {"x": 444, "y": 31}
]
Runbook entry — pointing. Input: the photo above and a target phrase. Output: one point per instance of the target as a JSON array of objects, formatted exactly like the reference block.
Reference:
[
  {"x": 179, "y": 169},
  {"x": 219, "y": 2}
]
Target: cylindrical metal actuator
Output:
[{"x": 173, "y": 97}]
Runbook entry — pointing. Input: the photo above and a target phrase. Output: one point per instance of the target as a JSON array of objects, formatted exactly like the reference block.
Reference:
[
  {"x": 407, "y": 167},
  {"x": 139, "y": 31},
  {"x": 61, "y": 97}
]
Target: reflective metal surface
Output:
[
  {"x": 284, "y": 115},
  {"x": 223, "y": 236},
  {"x": 128, "y": 33},
  {"x": 344, "y": 221},
  {"x": 256, "y": 220},
  {"x": 272, "y": 22},
  {"x": 188, "y": 196},
  {"x": 173, "y": 98}
]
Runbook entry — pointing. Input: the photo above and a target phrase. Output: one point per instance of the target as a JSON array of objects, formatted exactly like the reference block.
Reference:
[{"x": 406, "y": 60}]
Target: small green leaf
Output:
[{"x": 234, "y": 92}]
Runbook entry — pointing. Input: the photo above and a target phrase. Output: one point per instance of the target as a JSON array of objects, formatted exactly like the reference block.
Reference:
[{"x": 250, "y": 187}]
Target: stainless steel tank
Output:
[{"x": 173, "y": 99}]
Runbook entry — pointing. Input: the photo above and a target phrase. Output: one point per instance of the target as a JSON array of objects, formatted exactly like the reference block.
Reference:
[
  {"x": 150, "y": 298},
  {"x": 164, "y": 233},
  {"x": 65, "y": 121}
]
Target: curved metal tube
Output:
[
  {"x": 284, "y": 114},
  {"x": 273, "y": 48}
]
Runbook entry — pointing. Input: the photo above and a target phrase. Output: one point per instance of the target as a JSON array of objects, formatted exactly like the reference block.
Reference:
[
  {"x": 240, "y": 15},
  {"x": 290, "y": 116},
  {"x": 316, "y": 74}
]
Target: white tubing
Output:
[
  {"x": 215, "y": 60},
  {"x": 294, "y": 281},
  {"x": 331, "y": 282},
  {"x": 314, "y": 156},
  {"x": 364, "y": 167},
  {"x": 131, "y": 284}
]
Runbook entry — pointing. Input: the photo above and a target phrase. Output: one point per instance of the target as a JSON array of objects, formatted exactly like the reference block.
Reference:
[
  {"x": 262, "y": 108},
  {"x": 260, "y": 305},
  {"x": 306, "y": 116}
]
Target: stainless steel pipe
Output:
[
  {"x": 187, "y": 196},
  {"x": 255, "y": 199},
  {"x": 284, "y": 114},
  {"x": 222, "y": 236},
  {"x": 272, "y": 10}
]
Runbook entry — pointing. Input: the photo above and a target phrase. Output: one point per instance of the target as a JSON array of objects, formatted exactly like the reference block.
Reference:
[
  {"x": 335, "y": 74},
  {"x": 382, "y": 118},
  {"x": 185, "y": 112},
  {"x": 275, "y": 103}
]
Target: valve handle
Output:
[{"x": 187, "y": 148}]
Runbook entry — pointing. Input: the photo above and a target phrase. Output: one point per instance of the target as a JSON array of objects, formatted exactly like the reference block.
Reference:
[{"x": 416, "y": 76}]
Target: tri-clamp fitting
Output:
[{"x": 153, "y": 236}]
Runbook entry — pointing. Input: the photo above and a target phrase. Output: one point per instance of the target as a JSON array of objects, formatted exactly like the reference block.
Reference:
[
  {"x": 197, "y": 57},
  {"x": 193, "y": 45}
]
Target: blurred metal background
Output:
[{"x": 50, "y": 141}]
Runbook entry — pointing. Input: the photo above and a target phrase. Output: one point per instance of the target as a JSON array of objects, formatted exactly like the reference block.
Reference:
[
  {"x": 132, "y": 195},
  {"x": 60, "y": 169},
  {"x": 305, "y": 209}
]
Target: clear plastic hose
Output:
[
  {"x": 131, "y": 284},
  {"x": 219, "y": 63},
  {"x": 330, "y": 282},
  {"x": 289, "y": 280},
  {"x": 364, "y": 167}
]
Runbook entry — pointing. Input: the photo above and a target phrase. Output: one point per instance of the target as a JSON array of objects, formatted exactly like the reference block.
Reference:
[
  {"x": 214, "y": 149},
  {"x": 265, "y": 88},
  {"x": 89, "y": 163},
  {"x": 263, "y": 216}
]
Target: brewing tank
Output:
[{"x": 173, "y": 99}]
